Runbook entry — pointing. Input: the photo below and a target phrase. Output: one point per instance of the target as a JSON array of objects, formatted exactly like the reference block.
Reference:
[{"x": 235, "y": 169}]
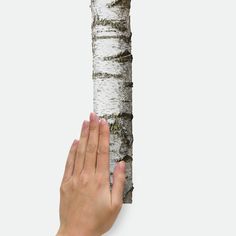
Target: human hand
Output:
[{"x": 87, "y": 206}]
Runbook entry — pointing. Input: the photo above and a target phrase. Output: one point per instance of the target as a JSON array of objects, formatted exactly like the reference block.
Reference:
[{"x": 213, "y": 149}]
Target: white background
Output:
[{"x": 184, "y": 125}]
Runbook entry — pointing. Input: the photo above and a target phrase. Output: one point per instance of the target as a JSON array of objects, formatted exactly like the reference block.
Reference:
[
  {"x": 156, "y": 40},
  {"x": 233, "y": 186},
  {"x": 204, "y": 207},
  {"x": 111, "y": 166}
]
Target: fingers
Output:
[
  {"x": 91, "y": 150},
  {"x": 81, "y": 148},
  {"x": 103, "y": 149},
  {"x": 70, "y": 161},
  {"x": 118, "y": 184}
]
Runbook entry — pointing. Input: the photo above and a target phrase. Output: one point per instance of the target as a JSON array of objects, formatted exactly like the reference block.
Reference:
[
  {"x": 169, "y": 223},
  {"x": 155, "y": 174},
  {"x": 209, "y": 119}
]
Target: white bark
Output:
[{"x": 112, "y": 77}]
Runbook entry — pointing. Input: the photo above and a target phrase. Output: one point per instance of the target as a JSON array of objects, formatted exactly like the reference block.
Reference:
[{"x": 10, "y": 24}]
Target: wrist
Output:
[
  {"x": 79, "y": 234},
  {"x": 67, "y": 233}
]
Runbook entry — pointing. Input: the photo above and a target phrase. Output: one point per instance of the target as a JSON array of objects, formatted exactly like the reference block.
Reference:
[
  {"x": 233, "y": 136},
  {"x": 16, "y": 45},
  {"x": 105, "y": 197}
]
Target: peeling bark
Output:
[{"x": 112, "y": 80}]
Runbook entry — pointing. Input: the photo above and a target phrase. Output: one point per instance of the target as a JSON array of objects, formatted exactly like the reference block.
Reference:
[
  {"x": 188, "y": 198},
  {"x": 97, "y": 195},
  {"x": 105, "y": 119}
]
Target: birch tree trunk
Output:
[{"x": 112, "y": 79}]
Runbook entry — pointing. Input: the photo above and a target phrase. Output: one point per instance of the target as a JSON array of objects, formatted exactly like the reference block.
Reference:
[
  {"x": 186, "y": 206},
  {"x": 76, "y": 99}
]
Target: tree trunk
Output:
[{"x": 112, "y": 79}]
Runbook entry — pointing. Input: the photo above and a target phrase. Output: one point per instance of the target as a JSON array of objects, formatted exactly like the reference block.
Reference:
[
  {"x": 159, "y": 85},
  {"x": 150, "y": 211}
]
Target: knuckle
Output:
[
  {"x": 67, "y": 187},
  {"x": 84, "y": 179},
  {"x": 72, "y": 151},
  {"x": 121, "y": 177},
  {"x": 104, "y": 132},
  {"x": 69, "y": 163},
  {"x": 74, "y": 184},
  {"x": 83, "y": 135},
  {"x": 100, "y": 180},
  {"x": 91, "y": 148},
  {"x": 79, "y": 152},
  {"x": 116, "y": 205},
  {"x": 63, "y": 189},
  {"x": 93, "y": 127},
  {"x": 103, "y": 149}
]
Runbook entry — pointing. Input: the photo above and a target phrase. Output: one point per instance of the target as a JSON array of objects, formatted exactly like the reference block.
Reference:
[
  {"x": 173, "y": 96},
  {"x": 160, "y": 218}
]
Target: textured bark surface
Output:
[{"x": 112, "y": 79}]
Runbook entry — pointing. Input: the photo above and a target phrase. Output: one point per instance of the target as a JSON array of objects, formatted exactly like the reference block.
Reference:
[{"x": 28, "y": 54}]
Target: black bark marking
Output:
[
  {"x": 127, "y": 198},
  {"x": 107, "y": 75},
  {"x": 121, "y": 57},
  {"x": 126, "y": 158},
  {"x": 128, "y": 84},
  {"x": 119, "y": 25},
  {"x": 119, "y": 115},
  {"x": 126, "y": 39},
  {"x": 122, "y": 3},
  {"x": 126, "y": 115}
]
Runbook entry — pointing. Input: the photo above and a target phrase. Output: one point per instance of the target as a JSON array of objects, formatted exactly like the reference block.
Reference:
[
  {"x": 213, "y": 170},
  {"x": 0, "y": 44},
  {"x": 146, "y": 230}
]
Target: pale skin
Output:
[{"x": 87, "y": 205}]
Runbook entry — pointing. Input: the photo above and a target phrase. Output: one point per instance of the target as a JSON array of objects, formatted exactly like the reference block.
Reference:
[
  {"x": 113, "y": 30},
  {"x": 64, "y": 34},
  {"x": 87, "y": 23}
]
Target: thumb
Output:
[{"x": 118, "y": 184}]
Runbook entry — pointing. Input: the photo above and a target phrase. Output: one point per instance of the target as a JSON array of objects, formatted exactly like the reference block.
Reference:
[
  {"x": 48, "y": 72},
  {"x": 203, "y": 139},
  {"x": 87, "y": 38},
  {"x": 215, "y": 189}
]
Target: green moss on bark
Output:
[{"x": 115, "y": 127}]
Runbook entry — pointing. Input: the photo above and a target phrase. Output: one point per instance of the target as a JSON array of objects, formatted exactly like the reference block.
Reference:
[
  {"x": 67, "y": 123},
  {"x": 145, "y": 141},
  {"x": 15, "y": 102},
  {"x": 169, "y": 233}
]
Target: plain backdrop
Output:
[{"x": 184, "y": 125}]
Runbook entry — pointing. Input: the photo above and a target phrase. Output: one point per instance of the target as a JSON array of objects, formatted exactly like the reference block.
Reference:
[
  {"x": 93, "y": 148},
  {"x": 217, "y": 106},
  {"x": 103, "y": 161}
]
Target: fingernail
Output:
[
  {"x": 122, "y": 165},
  {"x": 85, "y": 125},
  {"x": 103, "y": 121},
  {"x": 75, "y": 141},
  {"x": 93, "y": 116}
]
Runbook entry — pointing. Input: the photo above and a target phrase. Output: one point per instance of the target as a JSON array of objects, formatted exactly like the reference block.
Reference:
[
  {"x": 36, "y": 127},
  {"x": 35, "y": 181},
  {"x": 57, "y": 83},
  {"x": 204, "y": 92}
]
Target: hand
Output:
[{"x": 87, "y": 206}]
